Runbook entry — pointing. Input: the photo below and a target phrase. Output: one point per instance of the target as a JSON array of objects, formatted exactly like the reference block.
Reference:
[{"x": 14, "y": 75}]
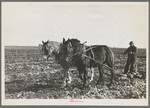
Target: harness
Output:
[
  {"x": 97, "y": 61},
  {"x": 84, "y": 55}
]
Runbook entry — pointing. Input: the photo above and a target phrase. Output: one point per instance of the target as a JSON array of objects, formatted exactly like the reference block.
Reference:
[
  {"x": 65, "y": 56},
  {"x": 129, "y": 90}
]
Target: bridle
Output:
[
  {"x": 47, "y": 48},
  {"x": 78, "y": 52},
  {"x": 82, "y": 52}
]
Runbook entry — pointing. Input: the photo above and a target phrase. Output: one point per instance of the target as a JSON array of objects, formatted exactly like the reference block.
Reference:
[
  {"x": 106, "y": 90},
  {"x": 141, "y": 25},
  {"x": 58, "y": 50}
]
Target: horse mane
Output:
[
  {"x": 77, "y": 46},
  {"x": 74, "y": 42}
]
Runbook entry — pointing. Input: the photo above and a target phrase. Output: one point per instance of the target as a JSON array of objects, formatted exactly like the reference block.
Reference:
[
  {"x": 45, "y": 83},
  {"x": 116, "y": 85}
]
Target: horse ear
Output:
[
  {"x": 70, "y": 44},
  {"x": 84, "y": 42},
  {"x": 63, "y": 40},
  {"x": 42, "y": 42},
  {"x": 47, "y": 40}
]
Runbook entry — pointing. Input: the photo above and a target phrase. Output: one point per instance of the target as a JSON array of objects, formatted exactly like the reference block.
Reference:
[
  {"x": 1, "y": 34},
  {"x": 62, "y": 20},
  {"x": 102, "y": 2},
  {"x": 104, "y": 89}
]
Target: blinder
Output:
[{"x": 79, "y": 52}]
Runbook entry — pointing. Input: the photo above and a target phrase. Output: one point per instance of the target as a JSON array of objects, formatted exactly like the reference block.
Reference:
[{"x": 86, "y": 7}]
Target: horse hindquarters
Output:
[{"x": 103, "y": 54}]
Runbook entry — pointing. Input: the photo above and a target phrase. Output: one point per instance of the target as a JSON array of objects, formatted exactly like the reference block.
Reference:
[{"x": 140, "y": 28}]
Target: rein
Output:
[
  {"x": 90, "y": 48},
  {"x": 93, "y": 56},
  {"x": 87, "y": 50},
  {"x": 97, "y": 61},
  {"x": 78, "y": 52}
]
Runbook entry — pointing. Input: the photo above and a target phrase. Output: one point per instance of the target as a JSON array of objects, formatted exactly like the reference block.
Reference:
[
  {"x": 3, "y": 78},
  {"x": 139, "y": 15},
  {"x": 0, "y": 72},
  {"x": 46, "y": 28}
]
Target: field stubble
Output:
[{"x": 28, "y": 76}]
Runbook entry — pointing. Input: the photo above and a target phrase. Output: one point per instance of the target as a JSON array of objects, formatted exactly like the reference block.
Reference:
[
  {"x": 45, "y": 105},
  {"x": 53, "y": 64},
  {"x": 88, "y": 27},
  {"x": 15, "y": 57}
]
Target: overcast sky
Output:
[{"x": 112, "y": 24}]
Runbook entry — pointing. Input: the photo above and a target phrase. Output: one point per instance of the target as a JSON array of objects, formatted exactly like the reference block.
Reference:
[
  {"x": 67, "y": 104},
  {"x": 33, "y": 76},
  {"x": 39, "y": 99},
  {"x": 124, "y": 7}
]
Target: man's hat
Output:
[{"x": 131, "y": 42}]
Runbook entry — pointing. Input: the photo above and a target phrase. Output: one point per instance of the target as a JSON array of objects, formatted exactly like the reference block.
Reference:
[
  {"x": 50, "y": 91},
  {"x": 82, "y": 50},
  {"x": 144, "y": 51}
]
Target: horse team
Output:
[{"x": 73, "y": 52}]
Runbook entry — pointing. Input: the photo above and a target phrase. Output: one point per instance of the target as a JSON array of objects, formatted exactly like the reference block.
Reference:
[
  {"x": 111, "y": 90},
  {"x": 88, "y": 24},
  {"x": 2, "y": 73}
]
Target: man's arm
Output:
[
  {"x": 135, "y": 52},
  {"x": 126, "y": 51}
]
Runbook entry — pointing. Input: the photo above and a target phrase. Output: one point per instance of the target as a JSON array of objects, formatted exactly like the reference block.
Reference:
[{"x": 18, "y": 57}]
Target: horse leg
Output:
[
  {"x": 80, "y": 76},
  {"x": 85, "y": 77},
  {"x": 80, "y": 73},
  {"x": 69, "y": 77},
  {"x": 64, "y": 84},
  {"x": 113, "y": 75},
  {"x": 45, "y": 57},
  {"x": 111, "y": 65},
  {"x": 65, "y": 75},
  {"x": 101, "y": 70},
  {"x": 92, "y": 74}
]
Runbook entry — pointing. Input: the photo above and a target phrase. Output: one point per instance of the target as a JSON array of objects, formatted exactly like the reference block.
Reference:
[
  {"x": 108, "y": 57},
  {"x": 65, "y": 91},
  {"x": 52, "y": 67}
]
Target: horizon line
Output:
[{"x": 41, "y": 44}]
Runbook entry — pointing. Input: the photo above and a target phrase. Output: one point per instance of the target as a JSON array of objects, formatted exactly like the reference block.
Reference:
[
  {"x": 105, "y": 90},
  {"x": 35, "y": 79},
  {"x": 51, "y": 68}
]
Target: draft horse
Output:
[
  {"x": 87, "y": 57},
  {"x": 51, "y": 48}
]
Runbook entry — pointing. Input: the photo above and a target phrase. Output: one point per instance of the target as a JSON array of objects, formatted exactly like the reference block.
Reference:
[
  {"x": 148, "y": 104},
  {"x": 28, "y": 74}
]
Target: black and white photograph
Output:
[{"x": 75, "y": 53}]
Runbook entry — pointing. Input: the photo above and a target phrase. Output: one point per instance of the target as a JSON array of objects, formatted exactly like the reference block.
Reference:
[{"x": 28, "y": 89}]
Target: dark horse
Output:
[
  {"x": 51, "y": 48},
  {"x": 87, "y": 57}
]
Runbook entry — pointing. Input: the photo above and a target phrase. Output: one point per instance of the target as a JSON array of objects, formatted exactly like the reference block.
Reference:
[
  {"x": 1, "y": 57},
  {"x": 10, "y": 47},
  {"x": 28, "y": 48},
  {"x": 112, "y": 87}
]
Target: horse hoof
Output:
[
  {"x": 69, "y": 82},
  {"x": 91, "y": 80},
  {"x": 84, "y": 88},
  {"x": 97, "y": 83},
  {"x": 98, "y": 86},
  {"x": 64, "y": 85},
  {"x": 112, "y": 86}
]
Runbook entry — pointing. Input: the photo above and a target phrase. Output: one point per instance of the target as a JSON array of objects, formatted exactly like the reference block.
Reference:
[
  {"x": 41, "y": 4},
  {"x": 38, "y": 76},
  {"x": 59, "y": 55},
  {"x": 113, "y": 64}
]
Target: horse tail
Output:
[{"x": 110, "y": 57}]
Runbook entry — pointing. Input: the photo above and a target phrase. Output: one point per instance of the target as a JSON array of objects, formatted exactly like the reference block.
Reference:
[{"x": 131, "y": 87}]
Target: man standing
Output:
[{"x": 132, "y": 56}]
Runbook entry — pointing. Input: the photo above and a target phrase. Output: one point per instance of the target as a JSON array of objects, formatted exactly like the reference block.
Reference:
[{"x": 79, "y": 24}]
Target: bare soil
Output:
[{"x": 28, "y": 76}]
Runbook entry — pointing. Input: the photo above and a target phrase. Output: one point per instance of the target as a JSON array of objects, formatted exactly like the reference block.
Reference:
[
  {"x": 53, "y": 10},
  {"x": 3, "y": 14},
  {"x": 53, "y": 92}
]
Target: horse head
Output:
[
  {"x": 72, "y": 48},
  {"x": 46, "y": 48}
]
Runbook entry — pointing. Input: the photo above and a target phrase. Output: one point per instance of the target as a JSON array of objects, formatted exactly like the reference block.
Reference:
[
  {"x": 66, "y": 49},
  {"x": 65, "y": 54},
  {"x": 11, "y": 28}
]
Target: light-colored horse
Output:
[{"x": 49, "y": 48}]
